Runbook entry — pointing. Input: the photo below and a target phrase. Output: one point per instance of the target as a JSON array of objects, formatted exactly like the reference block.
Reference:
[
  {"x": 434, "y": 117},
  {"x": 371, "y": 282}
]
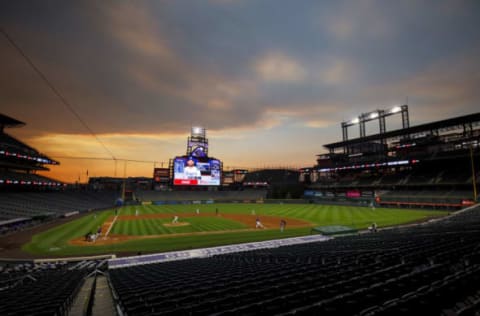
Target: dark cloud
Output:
[{"x": 161, "y": 66}]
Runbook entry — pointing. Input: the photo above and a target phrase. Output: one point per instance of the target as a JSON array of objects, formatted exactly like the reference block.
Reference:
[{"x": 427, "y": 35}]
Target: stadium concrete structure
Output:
[
  {"x": 429, "y": 268},
  {"x": 20, "y": 162},
  {"x": 433, "y": 165}
]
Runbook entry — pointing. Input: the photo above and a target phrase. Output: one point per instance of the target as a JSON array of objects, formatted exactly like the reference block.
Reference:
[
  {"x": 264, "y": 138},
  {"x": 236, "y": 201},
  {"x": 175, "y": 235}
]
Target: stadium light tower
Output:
[
  {"x": 197, "y": 143},
  {"x": 379, "y": 115}
]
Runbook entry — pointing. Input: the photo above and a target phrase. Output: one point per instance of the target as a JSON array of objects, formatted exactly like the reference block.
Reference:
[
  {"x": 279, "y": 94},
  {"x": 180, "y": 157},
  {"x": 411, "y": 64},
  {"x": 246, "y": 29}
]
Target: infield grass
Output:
[{"x": 158, "y": 226}]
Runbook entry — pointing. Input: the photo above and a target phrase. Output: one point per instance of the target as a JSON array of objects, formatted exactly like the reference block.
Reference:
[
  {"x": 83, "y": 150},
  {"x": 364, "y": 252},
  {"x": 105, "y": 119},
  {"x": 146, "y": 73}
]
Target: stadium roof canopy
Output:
[
  {"x": 438, "y": 126},
  {"x": 7, "y": 121},
  {"x": 12, "y": 147}
]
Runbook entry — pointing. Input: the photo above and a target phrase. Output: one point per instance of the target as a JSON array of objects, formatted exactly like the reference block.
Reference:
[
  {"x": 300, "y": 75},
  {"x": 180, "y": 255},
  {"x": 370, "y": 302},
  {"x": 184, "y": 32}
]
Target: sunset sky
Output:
[{"x": 271, "y": 80}]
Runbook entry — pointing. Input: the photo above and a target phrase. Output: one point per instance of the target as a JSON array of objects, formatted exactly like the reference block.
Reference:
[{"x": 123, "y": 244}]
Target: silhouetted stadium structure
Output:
[
  {"x": 433, "y": 165},
  {"x": 430, "y": 268},
  {"x": 20, "y": 162},
  {"x": 27, "y": 198}
]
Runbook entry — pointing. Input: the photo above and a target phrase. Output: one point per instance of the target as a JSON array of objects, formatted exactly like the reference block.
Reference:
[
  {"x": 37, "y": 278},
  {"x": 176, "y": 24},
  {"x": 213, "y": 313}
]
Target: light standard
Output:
[
  {"x": 124, "y": 180},
  {"x": 474, "y": 180}
]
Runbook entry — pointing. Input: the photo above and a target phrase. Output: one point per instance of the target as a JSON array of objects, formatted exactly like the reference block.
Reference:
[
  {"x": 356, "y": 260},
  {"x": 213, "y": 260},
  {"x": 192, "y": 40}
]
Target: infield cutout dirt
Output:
[{"x": 270, "y": 223}]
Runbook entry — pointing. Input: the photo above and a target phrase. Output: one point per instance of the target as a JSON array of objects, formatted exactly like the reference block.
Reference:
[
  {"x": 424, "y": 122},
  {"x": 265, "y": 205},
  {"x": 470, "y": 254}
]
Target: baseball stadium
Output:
[
  {"x": 239, "y": 158},
  {"x": 381, "y": 224}
]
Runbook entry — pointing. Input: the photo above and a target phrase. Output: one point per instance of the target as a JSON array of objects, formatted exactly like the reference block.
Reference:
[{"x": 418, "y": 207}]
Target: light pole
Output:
[
  {"x": 474, "y": 180},
  {"x": 124, "y": 180}
]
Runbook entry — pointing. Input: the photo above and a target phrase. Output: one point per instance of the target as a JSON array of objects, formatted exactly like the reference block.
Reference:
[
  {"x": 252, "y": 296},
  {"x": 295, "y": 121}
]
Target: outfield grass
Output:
[{"x": 54, "y": 242}]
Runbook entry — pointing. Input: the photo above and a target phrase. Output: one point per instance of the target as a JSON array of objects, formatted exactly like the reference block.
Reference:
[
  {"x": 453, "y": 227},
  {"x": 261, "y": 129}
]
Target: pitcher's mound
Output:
[{"x": 176, "y": 224}]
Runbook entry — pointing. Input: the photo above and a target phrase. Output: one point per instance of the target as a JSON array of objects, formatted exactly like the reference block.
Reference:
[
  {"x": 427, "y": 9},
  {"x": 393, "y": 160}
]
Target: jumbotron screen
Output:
[{"x": 196, "y": 171}]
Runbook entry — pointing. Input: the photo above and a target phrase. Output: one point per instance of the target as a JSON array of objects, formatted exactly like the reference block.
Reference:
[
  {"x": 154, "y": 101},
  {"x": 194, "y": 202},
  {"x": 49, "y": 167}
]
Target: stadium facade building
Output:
[
  {"x": 432, "y": 165},
  {"x": 19, "y": 162},
  {"x": 29, "y": 199}
]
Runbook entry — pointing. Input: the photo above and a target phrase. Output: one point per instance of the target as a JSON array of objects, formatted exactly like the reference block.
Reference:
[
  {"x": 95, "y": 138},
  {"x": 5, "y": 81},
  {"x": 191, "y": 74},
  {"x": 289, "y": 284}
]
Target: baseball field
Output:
[{"x": 153, "y": 228}]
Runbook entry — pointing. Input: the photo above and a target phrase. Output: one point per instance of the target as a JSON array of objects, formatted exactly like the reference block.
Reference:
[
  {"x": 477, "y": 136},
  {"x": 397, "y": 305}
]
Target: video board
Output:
[{"x": 196, "y": 171}]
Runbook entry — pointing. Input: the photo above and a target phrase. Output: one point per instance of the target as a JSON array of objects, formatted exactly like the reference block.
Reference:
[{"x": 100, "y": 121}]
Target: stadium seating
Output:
[
  {"x": 18, "y": 176},
  {"x": 32, "y": 204},
  {"x": 455, "y": 176},
  {"x": 273, "y": 176},
  {"x": 393, "y": 179},
  {"x": 42, "y": 289},
  {"x": 434, "y": 197},
  {"x": 422, "y": 177}
]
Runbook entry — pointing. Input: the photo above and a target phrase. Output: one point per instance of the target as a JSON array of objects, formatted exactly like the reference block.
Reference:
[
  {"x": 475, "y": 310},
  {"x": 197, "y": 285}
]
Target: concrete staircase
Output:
[
  {"x": 103, "y": 304},
  {"x": 94, "y": 298}
]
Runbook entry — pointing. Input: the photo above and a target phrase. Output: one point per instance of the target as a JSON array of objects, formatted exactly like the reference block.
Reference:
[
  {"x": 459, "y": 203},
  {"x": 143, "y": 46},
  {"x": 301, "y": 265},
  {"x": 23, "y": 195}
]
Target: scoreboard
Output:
[{"x": 161, "y": 175}]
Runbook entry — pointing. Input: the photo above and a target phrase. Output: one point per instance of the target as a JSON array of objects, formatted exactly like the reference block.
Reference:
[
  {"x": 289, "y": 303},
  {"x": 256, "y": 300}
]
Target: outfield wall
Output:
[
  {"x": 200, "y": 195},
  {"x": 212, "y": 201}
]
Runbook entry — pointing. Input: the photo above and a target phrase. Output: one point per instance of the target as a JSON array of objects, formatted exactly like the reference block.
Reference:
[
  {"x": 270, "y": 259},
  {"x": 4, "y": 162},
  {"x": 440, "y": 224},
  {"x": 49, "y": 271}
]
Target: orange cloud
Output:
[{"x": 78, "y": 153}]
